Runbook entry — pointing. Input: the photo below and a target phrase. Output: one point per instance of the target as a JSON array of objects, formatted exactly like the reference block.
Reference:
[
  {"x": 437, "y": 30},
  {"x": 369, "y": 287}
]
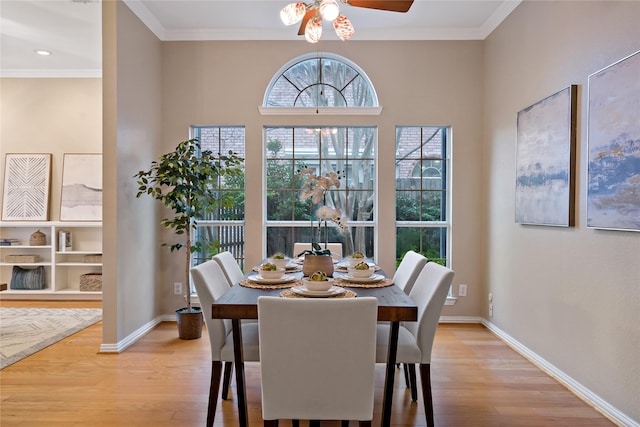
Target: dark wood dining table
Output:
[{"x": 241, "y": 302}]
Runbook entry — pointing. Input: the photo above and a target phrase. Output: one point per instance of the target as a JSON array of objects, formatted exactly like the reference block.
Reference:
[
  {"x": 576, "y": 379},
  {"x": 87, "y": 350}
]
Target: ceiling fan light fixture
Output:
[
  {"x": 344, "y": 28},
  {"x": 292, "y": 13},
  {"x": 313, "y": 30},
  {"x": 329, "y": 9}
]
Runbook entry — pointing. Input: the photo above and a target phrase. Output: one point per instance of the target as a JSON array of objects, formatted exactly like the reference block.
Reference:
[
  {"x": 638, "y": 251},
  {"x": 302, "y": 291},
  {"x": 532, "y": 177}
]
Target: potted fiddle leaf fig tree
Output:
[{"x": 187, "y": 181}]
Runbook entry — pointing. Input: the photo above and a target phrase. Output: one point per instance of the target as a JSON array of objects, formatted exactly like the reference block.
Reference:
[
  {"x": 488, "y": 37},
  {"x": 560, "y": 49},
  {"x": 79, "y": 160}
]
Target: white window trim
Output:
[{"x": 320, "y": 111}]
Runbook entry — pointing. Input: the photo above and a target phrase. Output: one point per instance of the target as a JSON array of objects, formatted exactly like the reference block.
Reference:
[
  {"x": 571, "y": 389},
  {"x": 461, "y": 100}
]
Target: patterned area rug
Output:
[{"x": 24, "y": 331}]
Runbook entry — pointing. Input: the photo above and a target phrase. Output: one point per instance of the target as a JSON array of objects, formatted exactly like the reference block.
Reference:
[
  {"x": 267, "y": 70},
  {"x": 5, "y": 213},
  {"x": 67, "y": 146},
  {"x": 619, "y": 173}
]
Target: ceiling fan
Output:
[{"x": 312, "y": 14}]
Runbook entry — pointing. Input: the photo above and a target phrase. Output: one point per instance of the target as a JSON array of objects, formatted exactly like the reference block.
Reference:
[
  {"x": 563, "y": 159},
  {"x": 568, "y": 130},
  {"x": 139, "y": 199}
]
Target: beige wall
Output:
[
  {"x": 132, "y": 291},
  {"x": 56, "y": 116},
  {"x": 571, "y": 295}
]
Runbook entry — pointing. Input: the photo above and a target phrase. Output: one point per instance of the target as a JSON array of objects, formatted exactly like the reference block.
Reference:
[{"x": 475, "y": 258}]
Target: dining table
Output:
[{"x": 240, "y": 302}]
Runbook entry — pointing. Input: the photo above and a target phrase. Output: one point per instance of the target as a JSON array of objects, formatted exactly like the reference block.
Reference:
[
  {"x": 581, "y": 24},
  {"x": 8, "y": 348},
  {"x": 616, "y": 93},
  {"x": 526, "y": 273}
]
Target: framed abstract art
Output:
[
  {"x": 545, "y": 161},
  {"x": 27, "y": 185},
  {"x": 81, "y": 196},
  {"x": 613, "y": 181}
]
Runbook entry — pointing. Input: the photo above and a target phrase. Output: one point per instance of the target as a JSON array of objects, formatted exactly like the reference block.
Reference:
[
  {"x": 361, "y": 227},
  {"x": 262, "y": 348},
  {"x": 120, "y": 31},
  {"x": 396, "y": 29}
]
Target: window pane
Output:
[
  {"x": 421, "y": 190},
  {"x": 430, "y": 242},
  {"x": 432, "y": 206},
  {"x": 230, "y": 189},
  {"x": 321, "y": 81},
  {"x": 323, "y": 150}
]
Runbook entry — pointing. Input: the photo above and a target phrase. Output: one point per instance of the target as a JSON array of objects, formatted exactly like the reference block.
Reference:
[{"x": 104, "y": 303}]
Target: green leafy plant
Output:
[{"x": 187, "y": 181}]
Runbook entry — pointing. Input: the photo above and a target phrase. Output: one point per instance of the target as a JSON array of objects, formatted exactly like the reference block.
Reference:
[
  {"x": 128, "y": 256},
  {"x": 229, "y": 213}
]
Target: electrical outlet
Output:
[
  {"x": 177, "y": 288},
  {"x": 490, "y": 310},
  {"x": 462, "y": 290}
]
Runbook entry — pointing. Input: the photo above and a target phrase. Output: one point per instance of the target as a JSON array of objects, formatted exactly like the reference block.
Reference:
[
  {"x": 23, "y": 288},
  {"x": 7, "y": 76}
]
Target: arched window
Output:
[{"x": 320, "y": 80}]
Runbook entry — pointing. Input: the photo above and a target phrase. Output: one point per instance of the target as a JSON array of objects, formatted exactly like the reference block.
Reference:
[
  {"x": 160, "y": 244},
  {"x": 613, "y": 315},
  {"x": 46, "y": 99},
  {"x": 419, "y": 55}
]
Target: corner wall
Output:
[
  {"x": 570, "y": 295},
  {"x": 132, "y": 113}
]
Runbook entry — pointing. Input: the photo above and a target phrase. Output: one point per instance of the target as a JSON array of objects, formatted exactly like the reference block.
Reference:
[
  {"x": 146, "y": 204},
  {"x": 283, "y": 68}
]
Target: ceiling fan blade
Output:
[
  {"x": 391, "y": 5},
  {"x": 305, "y": 19}
]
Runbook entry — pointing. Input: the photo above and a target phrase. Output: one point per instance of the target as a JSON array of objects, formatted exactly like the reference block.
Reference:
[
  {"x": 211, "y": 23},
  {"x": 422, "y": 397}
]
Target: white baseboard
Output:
[
  {"x": 578, "y": 389},
  {"x": 122, "y": 345}
]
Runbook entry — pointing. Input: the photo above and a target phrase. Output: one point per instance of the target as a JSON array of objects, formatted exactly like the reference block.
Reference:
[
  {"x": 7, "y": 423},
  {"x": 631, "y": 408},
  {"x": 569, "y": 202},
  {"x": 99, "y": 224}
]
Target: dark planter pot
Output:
[
  {"x": 313, "y": 263},
  {"x": 189, "y": 323}
]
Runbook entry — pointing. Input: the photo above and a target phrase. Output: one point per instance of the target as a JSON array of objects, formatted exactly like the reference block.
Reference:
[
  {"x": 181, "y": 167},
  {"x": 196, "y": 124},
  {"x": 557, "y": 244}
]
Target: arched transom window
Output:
[{"x": 320, "y": 80}]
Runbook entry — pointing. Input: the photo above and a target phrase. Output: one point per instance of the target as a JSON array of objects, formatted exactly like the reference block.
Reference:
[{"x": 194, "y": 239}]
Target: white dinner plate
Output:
[
  {"x": 371, "y": 279},
  {"x": 332, "y": 291},
  {"x": 291, "y": 267},
  {"x": 259, "y": 279}
]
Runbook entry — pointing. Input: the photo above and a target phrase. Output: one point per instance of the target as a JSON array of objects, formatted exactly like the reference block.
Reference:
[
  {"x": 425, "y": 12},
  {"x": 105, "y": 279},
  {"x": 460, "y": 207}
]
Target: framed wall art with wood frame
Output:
[
  {"x": 613, "y": 181},
  {"x": 27, "y": 187},
  {"x": 81, "y": 195},
  {"x": 545, "y": 161}
]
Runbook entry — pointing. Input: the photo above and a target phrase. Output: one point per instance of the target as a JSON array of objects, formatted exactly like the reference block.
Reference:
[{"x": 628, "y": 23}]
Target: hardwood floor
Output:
[{"x": 163, "y": 381}]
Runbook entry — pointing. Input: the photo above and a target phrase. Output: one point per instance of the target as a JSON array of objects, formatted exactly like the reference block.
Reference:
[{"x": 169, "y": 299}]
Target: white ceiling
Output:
[{"x": 71, "y": 29}]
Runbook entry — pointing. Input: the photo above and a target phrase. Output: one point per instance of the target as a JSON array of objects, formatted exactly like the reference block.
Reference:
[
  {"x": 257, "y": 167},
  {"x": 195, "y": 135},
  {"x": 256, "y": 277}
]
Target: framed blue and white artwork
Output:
[
  {"x": 545, "y": 161},
  {"x": 613, "y": 181}
]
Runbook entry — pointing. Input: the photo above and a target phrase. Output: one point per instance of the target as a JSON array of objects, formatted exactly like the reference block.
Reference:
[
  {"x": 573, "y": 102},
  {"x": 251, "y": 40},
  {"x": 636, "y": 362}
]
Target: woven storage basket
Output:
[
  {"x": 92, "y": 258},
  {"x": 37, "y": 239},
  {"x": 22, "y": 258},
  {"x": 91, "y": 282}
]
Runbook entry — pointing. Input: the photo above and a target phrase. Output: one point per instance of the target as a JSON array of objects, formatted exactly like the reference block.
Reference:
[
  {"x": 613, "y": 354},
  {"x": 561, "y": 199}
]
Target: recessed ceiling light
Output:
[{"x": 43, "y": 52}]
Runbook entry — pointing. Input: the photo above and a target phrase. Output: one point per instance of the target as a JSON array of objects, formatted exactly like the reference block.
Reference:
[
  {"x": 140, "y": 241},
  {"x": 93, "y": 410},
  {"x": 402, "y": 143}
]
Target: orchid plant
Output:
[{"x": 316, "y": 187}]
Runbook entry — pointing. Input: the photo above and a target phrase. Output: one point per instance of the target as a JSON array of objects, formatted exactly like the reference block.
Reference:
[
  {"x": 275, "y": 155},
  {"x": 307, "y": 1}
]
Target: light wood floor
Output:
[{"x": 163, "y": 381}]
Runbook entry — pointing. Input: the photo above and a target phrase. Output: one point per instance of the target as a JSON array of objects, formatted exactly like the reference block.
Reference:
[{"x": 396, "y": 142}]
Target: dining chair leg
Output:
[
  {"x": 413, "y": 382},
  {"x": 270, "y": 423},
  {"x": 226, "y": 380},
  {"x": 314, "y": 423},
  {"x": 345, "y": 423},
  {"x": 407, "y": 380},
  {"x": 365, "y": 423},
  {"x": 216, "y": 374},
  {"x": 425, "y": 378},
  {"x": 295, "y": 423}
]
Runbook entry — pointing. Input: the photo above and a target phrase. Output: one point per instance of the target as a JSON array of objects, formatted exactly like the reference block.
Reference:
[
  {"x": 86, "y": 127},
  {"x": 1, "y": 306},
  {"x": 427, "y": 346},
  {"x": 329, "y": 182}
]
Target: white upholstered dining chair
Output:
[
  {"x": 404, "y": 277},
  {"x": 335, "y": 248},
  {"x": 317, "y": 358},
  {"x": 415, "y": 339},
  {"x": 408, "y": 270},
  {"x": 229, "y": 266},
  {"x": 211, "y": 283}
]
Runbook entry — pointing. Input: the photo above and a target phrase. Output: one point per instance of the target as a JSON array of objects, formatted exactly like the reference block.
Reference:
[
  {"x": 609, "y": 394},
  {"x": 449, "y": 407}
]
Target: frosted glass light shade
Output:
[
  {"x": 343, "y": 27},
  {"x": 313, "y": 30},
  {"x": 329, "y": 9},
  {"x": 292, "y": 13}
]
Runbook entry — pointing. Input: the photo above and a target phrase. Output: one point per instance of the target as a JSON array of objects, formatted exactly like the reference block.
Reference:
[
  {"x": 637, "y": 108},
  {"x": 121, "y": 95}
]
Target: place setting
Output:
[
  {"x": 351, "y": 261},
  {"x": 270, "y": 276},
  {"x": 282, "y": 261},
  {"x": 317, "y": 285},
  {"x": 361, "y": 275}
]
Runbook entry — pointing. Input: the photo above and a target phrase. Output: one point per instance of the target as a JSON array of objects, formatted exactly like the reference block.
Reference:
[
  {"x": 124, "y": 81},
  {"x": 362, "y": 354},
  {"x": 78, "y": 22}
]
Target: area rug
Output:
[{"x": 24, "y": 331}]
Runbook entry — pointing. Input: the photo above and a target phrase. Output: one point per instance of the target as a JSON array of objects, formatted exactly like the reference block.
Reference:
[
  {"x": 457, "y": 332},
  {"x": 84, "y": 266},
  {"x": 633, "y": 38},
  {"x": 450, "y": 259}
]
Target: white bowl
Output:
[
  {"x": 280, "y": 263},
  {"x": 313, "y": 285},
  {"x": 359, "y": 273},
  {"x": 353, "y": 261},
  {"x": 272, "y": 274}
]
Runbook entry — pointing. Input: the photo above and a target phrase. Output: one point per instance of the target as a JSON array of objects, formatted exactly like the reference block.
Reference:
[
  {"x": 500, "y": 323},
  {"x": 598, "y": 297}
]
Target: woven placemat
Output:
[
  {"x": 347, "y": 284},
  {"x": 288, "y": 293},
  {"x": 255, "y": 285}
]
